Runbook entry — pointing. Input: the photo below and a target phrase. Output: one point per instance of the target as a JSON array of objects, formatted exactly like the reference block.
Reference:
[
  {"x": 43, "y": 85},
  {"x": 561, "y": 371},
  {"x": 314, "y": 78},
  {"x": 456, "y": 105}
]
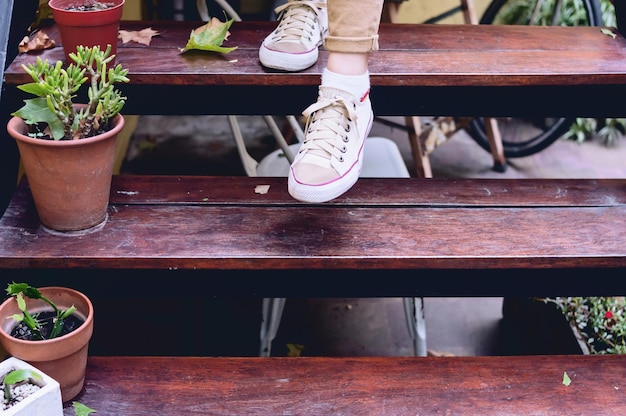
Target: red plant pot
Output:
[{"x": 87, "y": 28}]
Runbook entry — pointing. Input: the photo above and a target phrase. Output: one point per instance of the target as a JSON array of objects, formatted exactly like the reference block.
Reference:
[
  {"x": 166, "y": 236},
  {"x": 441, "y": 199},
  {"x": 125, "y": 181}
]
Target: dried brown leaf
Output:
[
  {"x": 143, "y": 36},
  {"x": 39, "y": 41},
  {"x": 261, "y": 189}
]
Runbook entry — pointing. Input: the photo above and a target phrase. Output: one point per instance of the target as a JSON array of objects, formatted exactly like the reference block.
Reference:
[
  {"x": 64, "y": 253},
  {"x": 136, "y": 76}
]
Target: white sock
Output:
[{"x": 357, "y": 85}]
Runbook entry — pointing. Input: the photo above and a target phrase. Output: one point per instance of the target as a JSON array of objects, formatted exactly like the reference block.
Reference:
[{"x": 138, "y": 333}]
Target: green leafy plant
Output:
[
  {"x": 581, "y": 129},
  {"x": 544, "y": 13},
  {"x": 553, "y": 13},
  {"x": 15, "y": 377},
  {"x": 53, "y": 113},
  {"x": 599, "y": 321},
  {"x": 607, "y": 130},
  {"x": 36, "y": 326}
]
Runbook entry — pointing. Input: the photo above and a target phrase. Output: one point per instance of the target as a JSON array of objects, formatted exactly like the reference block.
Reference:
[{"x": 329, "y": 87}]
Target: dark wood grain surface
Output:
[
  {"x": 409, "y": 55},
  {"x": 390, "y": 224},
  {"x": 356, "y": 386},
  {"x": 419, "y": 70}
]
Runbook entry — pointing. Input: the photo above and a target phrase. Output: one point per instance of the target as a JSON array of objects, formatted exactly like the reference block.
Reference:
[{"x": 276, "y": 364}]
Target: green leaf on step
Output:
[
  {"x": 566, "y": 380},
  {"x": 210, "y": 37},
  {"x": 82, "y": 410},
  {"x": 608, "y": 32}
]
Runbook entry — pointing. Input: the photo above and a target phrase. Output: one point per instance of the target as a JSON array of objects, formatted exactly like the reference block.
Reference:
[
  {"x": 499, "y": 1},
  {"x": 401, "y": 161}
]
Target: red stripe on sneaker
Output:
[{"x": 364, "y": 96}]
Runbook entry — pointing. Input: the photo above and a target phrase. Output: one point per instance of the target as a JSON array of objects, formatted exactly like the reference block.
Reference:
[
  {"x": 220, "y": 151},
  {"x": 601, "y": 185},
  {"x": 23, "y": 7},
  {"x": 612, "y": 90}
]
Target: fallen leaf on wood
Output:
[
  {"x": 261, "y": 189},
  {"x": 433, "y": 353},
  {"x": 294, "y": 350},
  {"x": 143, "y": 36},
  {"x": 566, "y": 380},
  {"x": 608, "y": 32},
  {"x": 39, "y": 41},
  {"x": 209, "y": 37}
]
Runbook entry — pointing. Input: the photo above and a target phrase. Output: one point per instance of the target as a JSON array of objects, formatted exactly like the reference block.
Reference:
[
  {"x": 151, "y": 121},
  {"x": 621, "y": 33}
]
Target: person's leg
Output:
[{"x": 329, "y": 161}]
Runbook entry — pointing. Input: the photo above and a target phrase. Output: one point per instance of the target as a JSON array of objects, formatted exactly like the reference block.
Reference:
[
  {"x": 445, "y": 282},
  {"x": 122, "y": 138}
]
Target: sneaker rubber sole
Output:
[{"x": 284, "y": 61}]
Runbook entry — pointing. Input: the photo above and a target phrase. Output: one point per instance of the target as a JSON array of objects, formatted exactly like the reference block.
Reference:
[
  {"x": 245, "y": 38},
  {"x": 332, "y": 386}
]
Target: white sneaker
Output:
[
  {"x": 330, "y": 160},
  {"x": 293, "y": 45}
]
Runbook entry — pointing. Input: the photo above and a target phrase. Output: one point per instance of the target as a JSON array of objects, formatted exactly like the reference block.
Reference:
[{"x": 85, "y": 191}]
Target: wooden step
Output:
[
  {"x": 521, "y": 385},
  {"x": 409, "y": 55},
  {"x": 400, "y": 224},
  {"x": 461, "y": 70}
]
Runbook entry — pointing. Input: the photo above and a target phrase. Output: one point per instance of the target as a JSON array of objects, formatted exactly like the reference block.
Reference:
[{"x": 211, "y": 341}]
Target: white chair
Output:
[{"x": 249, "y": 163}]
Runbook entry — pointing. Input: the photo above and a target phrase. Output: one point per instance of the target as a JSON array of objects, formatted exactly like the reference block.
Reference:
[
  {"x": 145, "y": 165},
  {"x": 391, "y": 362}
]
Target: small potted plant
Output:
[
  {"x": 567, "y": 325},
  {"x": 68, "y": 149},
  {"x": 87, "y": 23},
  {"x": 598, "y": 322},
  {"x": 49, "y": 328},
  {"x": 28, "y": 391}
]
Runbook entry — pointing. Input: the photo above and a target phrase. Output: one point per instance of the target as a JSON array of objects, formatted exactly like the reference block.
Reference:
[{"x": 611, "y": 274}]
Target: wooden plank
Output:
[
  {"x": 220, "y": 223},
  {"x": 228, "y": 190},
  {"x": 410, "y": 55},
  {"x": 466, "y": 70},
  {"x": 356, "y": 386}
]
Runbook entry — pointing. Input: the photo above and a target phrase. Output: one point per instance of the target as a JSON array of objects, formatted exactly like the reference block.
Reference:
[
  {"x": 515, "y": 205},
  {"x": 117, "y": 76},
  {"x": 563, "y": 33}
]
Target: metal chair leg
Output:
[
  {"x": 278, "y": 136},
  {"x": 416, "y": 323},
  {"x": 272, "y": 313}
]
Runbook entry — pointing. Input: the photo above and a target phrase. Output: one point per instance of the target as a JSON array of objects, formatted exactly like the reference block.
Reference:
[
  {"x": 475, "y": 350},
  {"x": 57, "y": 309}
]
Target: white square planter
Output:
[{"x": 45, "y": 401}]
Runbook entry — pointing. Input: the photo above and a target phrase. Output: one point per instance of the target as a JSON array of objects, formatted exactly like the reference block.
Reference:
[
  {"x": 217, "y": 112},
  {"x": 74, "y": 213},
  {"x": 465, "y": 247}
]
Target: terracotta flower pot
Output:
[
  {"x": 87, "y": 28},
  {"x": 63, "y": 358},
  {"x": 70, "y": 179}
]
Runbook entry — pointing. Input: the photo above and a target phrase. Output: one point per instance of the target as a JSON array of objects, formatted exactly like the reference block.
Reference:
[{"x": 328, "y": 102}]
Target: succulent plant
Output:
[{"x": 53, "y": 112}]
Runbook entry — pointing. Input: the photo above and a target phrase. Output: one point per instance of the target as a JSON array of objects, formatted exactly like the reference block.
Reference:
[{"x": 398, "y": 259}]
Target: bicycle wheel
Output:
[{"x": 524, "y": 137}]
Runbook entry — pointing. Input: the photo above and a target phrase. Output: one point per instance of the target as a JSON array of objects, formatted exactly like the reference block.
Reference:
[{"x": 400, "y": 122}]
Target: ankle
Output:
[
  {"x": 348, "y": 63},
  {"x": 357, "y": 85}
]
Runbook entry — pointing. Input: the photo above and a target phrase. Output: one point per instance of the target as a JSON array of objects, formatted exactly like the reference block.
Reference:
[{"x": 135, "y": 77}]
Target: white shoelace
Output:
[
  {"x": 297, "y": 20},
  {"x": 329, "y": 121}
]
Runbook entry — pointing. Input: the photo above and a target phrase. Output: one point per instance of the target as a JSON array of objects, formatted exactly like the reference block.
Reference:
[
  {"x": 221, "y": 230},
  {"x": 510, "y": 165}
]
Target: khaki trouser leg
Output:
[{"x": 353, "y": 25}]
